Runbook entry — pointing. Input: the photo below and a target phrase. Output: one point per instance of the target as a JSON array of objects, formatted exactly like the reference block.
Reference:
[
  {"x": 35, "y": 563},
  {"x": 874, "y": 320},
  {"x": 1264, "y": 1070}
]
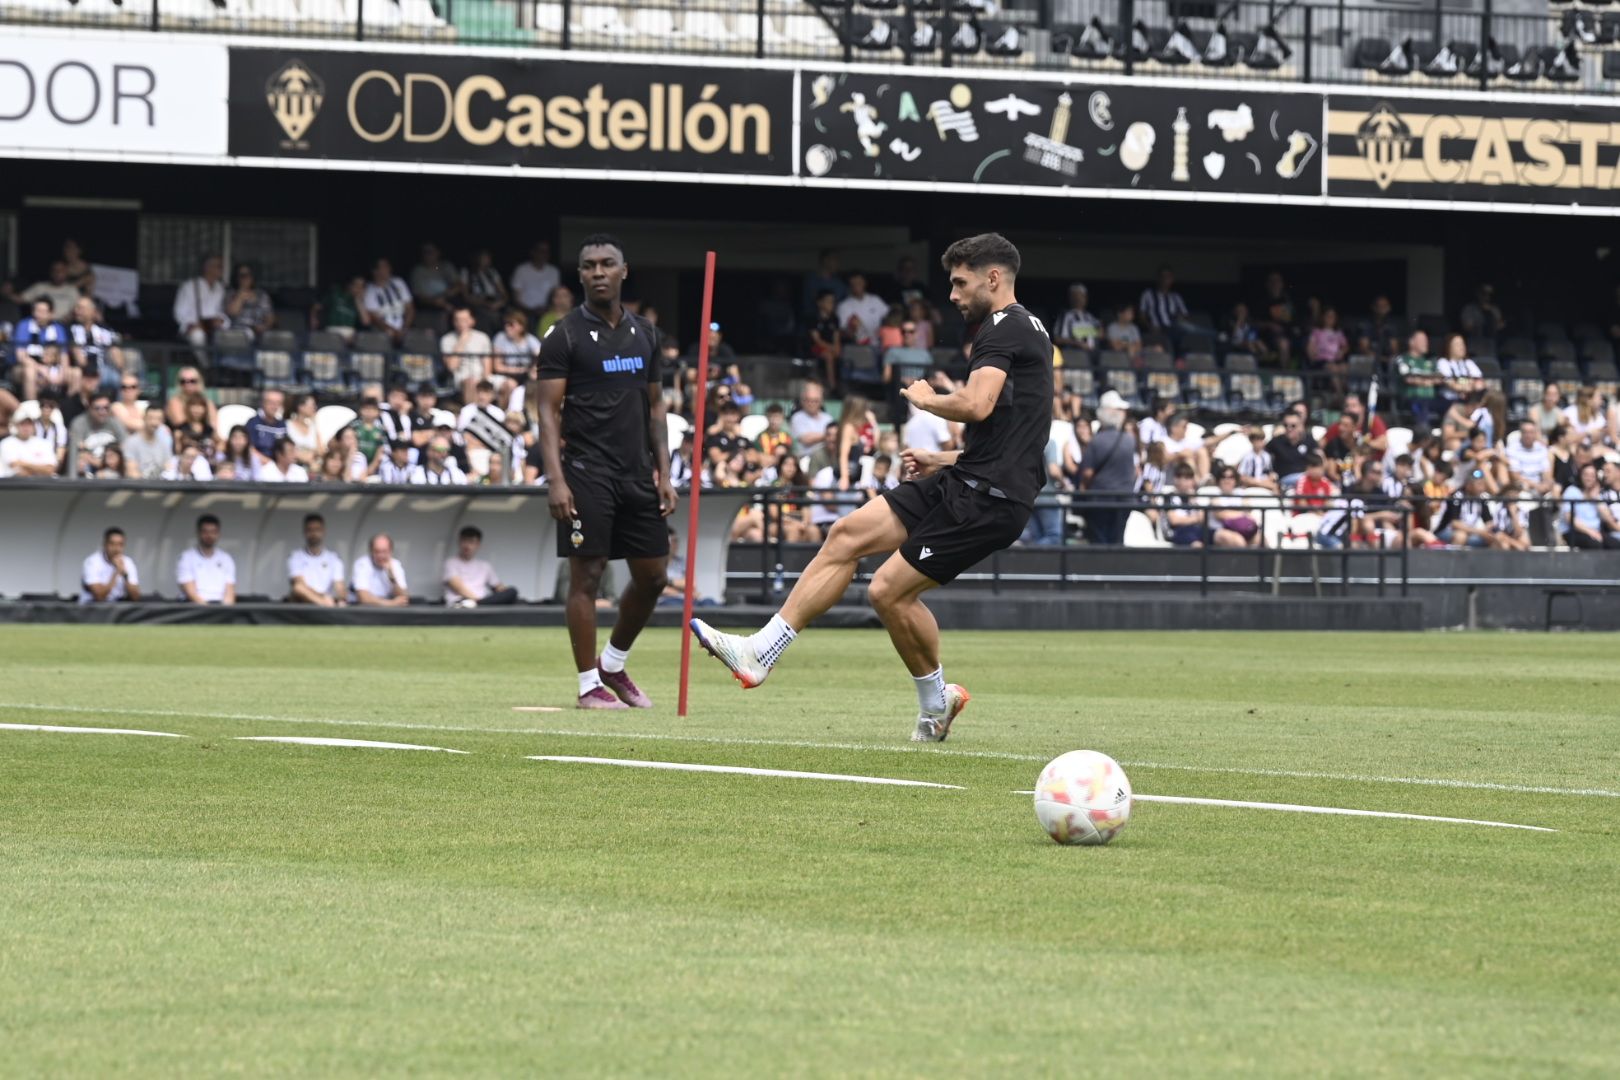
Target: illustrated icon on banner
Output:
[
  {"x": 868, "y": 128},
  {"x": 1013, "y": 107},
  {"x": 1301, "y": 148},
  {"x": 1214, "y": 164},
  {"x": 1137, "y": 147},
  {"x": 1234, "y": 124},
  {"x": 1052, "y": 150},
  {"x": 953, "y": 115},
  {"x": 294, "y": 94},
  {"x": 1178, "y": 148},
  {"x": 1101, "y": 109},
  {"x": 904, "y": 150},
  {"x": 821, "y": 90},
  {"x": 908, "y": 108},
  {"x": 1384, "y": 140},
  {"x": 819, "y": 159}
]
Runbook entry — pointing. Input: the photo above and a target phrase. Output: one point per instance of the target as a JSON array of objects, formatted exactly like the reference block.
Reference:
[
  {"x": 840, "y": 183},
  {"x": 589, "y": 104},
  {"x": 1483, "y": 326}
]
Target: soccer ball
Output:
[{"x": 1083, "y": 797}]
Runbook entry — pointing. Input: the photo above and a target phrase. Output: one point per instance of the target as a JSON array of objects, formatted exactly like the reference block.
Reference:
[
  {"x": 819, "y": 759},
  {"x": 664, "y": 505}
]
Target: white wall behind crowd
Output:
[{"x": 99, "y": 95}]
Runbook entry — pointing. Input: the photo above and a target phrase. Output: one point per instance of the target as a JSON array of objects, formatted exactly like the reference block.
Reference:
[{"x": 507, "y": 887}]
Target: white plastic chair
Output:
[
  {"x": 748, "y": 29},
  {"x": 1232, "y": 449},
  {"x": 548, "y": 18},
  {"x": 230, "y": 416},
  {"x": 752, "y": 425},
  {"x": 419, "y": 13},
  {"x": 1140, "y": 533},
  {"x": 1195, "y": 431},
  {"x": 678, "y": 427},
  {"x": 1227, "y": 428},
  {"x": 654, "y": 23},
  {"x": 1400, "y": 440},
  {"x": 595, "y": 19},
  {"x": 808, "y": 30},
  {"x": 331, "y": 419},
  {"x": 1318, "y": 433},
  {"x": 710, "y": 26},
  {"x": 440, "y": 417}
]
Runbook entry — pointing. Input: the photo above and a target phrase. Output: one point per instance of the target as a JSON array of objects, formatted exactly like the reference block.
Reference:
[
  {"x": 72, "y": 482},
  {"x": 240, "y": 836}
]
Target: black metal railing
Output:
[{"x": 1569, "y": 49}]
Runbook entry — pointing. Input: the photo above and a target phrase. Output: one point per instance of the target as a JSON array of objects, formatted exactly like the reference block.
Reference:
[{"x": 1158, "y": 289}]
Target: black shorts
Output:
[
  {"x": 950, "y": 526},
  {"x": 619, "y": 516}
]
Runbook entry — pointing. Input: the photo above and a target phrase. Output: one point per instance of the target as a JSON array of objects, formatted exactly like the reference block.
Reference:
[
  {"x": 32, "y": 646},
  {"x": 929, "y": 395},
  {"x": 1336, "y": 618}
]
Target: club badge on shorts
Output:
[{"x": 576, "y": 537}]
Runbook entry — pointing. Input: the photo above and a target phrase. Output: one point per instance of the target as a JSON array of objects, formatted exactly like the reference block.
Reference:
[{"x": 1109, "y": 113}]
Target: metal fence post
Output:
[
  {"x": 157, "y": 20},
  {"x": 846, "y": 30},
  {"x": 360, "y": 20},
  {"x": 1487, "y": 32},
  {"x": 1127, "y": 16},
  {"x": 1310, "y": 41},
  {"x": 568, "y": 23},
  {"x": 759, "y": 30}
]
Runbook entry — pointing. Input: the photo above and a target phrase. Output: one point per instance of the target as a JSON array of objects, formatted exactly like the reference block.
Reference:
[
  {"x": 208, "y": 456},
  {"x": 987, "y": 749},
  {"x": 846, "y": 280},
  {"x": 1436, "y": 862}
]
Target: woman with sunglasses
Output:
[
  {"x": 128, "y": 408},
  {"x": 188, "y": 382}
]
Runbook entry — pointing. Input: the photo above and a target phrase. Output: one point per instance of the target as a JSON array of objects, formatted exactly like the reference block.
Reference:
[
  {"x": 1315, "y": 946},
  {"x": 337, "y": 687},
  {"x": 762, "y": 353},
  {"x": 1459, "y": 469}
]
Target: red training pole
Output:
[{"x": 698, "y": 418}]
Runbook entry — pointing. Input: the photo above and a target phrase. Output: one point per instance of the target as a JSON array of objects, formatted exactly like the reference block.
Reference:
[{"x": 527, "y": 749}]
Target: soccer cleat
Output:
[
  {"x": 600, "y": 697},
  {"x": 937, "y": 728},
  {"x": 623, "y": 687},
  {"x": 733, "y": 651}
]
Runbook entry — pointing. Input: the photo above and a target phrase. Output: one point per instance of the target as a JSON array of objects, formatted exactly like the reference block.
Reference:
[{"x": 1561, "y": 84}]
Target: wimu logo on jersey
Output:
[{"x": 617, "y": 365}]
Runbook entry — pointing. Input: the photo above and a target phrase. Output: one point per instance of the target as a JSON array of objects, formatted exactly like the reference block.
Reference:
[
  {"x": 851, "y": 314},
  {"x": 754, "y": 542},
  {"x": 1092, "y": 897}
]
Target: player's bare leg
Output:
[
  {"x": 648, "y": 577},
  {"x": 871, "y": 530},
  {"x": 584, "y": 583},
  {"x": 896, "y": 594}
]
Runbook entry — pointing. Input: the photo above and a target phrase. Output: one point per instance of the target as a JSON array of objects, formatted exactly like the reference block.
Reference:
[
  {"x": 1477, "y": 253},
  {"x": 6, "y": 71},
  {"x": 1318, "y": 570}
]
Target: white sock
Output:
[
  {"x": 613, "y": 660},
  {"x": 770, "y": 643},
  {"x": 931, "y": 692},
  {"x": 588, "y": 681}
]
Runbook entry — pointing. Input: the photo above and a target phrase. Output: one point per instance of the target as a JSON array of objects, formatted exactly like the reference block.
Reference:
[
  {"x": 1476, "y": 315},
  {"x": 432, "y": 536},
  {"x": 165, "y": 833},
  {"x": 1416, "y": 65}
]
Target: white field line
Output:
[
  {"x": 741, "y": 770},
  {"x": 714, "y": 740},
  {"x": 90, "y": 730},
  {"x": 364, "y": 744},
  {"x": 1341, "y": 811}
]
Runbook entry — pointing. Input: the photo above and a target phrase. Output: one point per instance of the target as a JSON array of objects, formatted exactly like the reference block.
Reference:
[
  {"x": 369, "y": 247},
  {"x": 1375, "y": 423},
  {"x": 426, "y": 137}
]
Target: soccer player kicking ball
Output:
[
  {"x": 602, "y": 437},
  {"x": 956, "y": 506}
]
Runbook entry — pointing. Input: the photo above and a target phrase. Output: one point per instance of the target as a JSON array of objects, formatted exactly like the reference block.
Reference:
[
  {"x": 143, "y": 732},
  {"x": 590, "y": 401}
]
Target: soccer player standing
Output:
[
  {"x": 602, "y": 441},
  {"x": 956, "y": 506}
]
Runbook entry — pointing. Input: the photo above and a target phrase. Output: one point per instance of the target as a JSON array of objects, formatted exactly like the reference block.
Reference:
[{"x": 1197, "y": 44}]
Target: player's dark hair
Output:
[
  {"x": 471, "y": 532},
  {"x": 602, "y": 240},
  {"x": 1404, "y": 459},
  {"x": 112, "y": 531},
  {"x": 1184, "y": 471},
  {"x": 313, "y": 517},
  {"x": 982, "y": 252},
  {"x": 208, "y": 519}
]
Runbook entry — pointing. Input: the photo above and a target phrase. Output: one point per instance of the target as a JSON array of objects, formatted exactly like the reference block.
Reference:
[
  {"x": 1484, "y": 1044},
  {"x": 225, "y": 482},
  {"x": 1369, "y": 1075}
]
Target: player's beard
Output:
[{"x": 977, "y": 308}]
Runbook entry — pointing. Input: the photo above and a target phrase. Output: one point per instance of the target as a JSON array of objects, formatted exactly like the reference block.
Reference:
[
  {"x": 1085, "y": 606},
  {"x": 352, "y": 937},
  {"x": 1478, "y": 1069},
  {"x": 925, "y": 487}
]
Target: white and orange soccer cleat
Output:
[
  {"x": 734, "y": 651},
  {"x": 937, "y": 728}
]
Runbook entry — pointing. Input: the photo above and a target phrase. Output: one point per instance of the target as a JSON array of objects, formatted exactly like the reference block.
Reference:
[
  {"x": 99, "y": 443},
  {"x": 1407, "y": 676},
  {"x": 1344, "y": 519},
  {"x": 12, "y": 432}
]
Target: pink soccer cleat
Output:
[
  {"x": 623, "y": 687},
  {"x": 600, "y": 697}
]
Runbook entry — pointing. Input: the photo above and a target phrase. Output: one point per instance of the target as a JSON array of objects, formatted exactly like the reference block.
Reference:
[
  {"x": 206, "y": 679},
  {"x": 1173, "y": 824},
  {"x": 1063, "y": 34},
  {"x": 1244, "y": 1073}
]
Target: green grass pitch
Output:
[{"x": 208, "y": 906}]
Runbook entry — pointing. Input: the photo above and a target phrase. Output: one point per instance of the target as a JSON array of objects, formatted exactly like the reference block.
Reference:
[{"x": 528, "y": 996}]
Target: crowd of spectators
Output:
[{"x": 316, "y": 575}]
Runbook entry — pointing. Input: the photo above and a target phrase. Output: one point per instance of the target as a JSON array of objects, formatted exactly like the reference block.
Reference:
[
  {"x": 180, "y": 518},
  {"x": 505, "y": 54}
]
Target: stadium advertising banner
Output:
[
  {"x": 483, "y": 110},
  {"x": 1470, "y": 150},
  {"x": 87, "y": 95},
  {"x": 1053, "y": 134}
]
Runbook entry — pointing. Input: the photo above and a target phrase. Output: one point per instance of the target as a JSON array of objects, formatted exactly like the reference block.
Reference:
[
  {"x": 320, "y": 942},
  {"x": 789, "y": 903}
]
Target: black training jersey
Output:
[
  {"x": 606, "y": 408},
  {"x": 1006, "y": 451}
]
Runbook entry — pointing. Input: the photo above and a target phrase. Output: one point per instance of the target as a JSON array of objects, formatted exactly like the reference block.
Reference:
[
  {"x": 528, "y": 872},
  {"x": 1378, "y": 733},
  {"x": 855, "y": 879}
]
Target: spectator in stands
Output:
[
  {"x": 1328, "y": 348},
  {"x": 1379, "y": 333},
  {"x": 236, "y": 461},
  {"x": 435, "y": 283},
  {"x": 721, "y": 355},
  {"x": 1045, "y": 525},
  {"x": 347, "y": 443},
  {"x": 1078, "y": 328},
  {"x": 1289, "y": 449},
  {"x": 1548, "y": 413},
  {"x": 248, "y": 307},
  {"x": 206, "y": 573},
  {"x": 1313, "y": 486},
  {"x": 1240, "y": 336},
  {"x": 58, "y": 288},
  {"x": 810, "y": 421},
  {"x": 534, "y": 281},
  {"x": 1587, "y": 415},
  {"x": 147, "y": 452},
  {"x": 854, "y": 437},
  {"x": 483, "y": 290},
  {"x": 80, "y": 274},
  {"x": 1420, "y": 379},
  {"x": 1482, "y": 318},
  {"x": 1108, "y": 472},
  {"x": 1123, "y": 335},
  {"x": 558, "y": 304},
  {"x": 1509, "y": 529},
  {"x": 926, "y": 431},
  {"x": 824, "y": 279},
  {"x": 1155, "y": 425},
  {"x": 387, "y": 305},
  {"x": 188, "y": 387},
  {"x": 438, "y": 468},
  {"x": 1161, "y": 306},
  {"x": 1466, "y": 520},
  {"x": 826, "y": 338},
  {"x": 302, "y": 429},
  {"x": 775, "y": 437},
  {"x": 26, "y": 453},
  {"x": 1230, "y": 514},
  {"x": 482, "y": 400},
  {"x": 341, "y": 310},
  {"x": 91, "y": 433},
  {"x": 470, "y": 581},
  {"x": 108, "y": 575},
  {"x": 268, "y": 424},
  {"x": 111, "y": 466},
  {"x": 53, "y": 427},
  {"x": 199, "y": 304},
  {"x": 94, "y": 348},
  {"x": 40, "y": 354},
  {"x": 514, "y": 352},
  {"x": 190, "y": 463},
  {"x": 1458, "y": 374},
  {"x": 395, "y": 467},
  {"x": 127, "y": 405},
  {"x": 282, "y": 465},
  {"x": 908, "y": 353},
  {"x": 314, "y": 574},
  {"x": 861, "y": 313},
  {"x": 1183, "y": 447},
  {"x": 1186, "y": 522},
  {"x": 1255, "y": 467},
  {"x": 467, "y": 350},
  {"x": 1275, "y": 323},
  {"x": 378, "y": 579},
  {"x": 1589, "y": 523}
]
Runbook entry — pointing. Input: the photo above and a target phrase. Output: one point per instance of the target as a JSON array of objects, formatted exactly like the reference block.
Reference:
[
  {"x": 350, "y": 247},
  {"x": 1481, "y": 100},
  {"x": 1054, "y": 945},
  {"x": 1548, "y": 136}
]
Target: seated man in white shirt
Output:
[
  {"x": 206, "y": 574},
  {"x": 27, "y": 453},
  {"x": 282, "y": 468},
  {"x": 469, "y": 580},
  {"x": 379, "y": 579},
  {"x": 314, "y": 574},
  {"x": 199, "y": 304},
  {"x": 108, "y": 574},
  {"x": 467, "y": 350}
]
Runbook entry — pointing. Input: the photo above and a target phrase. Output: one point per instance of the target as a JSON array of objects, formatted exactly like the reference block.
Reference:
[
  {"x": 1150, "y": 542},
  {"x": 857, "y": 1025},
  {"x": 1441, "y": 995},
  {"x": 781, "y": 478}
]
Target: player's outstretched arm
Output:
[
  {"x": 550, "y": 396},
  {"x": 970, "y": 404}
]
